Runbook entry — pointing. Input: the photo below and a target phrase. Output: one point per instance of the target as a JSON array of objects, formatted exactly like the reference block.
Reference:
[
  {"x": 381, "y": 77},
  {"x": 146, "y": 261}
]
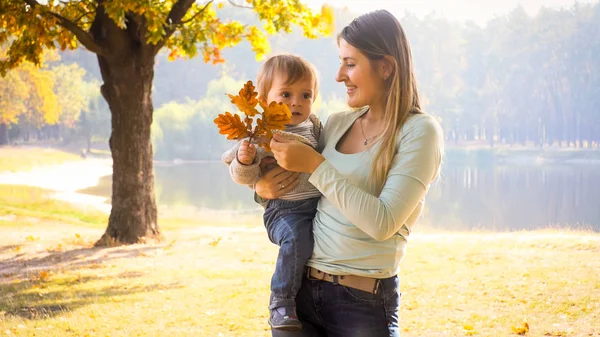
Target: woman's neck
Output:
[{"x": 375, "y": 113}]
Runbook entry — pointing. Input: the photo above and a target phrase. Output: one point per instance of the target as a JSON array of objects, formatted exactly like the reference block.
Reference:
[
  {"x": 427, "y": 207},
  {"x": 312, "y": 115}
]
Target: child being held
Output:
[{"x": 291, "y": 80}]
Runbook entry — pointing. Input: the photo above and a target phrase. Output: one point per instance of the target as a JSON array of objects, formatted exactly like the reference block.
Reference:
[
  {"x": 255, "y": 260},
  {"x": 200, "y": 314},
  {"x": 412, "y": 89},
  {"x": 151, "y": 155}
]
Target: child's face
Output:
[{"x": 298, "y": 97}]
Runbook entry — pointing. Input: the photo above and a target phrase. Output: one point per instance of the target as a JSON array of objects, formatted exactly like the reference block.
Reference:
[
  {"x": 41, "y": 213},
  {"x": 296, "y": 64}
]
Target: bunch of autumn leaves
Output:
[{"x": 255, "y": 125}]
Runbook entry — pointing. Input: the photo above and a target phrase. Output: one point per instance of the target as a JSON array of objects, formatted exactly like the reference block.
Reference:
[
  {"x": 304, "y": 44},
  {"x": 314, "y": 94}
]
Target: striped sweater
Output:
[{"x": 308, "y": 130}]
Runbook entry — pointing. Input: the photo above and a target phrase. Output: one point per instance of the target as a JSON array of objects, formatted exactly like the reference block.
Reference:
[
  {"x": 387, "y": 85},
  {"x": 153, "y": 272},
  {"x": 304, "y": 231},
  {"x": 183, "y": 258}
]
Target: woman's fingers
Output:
[
  {"x": 288, "y": 187},
  {"x": 271, "y": 174},
  {"x": 289, "y": 181}
]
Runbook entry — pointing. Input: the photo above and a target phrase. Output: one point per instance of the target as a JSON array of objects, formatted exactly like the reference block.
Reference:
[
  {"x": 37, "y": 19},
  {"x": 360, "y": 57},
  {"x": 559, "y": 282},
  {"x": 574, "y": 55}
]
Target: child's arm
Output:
[
  {"x": 239, "y": 172},
  {"x": 246, "y": 153}
]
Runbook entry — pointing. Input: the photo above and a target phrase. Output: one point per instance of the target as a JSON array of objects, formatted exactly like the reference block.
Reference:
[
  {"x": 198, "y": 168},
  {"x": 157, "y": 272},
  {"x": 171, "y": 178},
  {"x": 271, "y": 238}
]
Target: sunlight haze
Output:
[{"x": 456, "y": 10}]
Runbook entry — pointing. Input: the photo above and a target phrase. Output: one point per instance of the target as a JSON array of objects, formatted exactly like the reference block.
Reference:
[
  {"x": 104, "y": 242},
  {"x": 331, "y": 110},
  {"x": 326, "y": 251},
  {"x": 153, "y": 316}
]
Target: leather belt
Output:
[{"x": 367, "y": 284}]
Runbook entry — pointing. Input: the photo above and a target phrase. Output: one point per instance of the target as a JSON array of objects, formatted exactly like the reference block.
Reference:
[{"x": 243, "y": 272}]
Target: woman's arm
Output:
[
  {"x": 413, "y": 168},
  {"x": 275, "y": 181}
]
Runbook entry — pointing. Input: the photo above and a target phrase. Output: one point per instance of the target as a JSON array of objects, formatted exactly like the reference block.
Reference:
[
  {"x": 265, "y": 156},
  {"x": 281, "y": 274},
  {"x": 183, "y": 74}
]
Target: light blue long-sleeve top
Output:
[{"x": 357, "y": 232}]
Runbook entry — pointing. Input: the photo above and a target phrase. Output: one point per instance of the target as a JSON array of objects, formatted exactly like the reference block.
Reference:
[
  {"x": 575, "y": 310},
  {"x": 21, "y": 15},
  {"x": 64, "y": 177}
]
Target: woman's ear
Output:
[{"x": 387, "y": 67}]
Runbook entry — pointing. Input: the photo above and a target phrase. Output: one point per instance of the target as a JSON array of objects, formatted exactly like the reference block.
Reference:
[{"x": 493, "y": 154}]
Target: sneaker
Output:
[{"x": 284, "y": 318}]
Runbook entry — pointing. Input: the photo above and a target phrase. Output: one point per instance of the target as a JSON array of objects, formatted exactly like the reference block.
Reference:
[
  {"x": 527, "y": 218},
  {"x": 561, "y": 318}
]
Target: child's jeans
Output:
[{"x": 289, "y": 225}]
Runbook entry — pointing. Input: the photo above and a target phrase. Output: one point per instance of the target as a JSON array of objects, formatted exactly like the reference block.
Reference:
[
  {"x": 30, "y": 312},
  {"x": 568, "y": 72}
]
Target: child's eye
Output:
[
  {"x": 285, "y": 94},
  {"x": 307, "y": 96}
]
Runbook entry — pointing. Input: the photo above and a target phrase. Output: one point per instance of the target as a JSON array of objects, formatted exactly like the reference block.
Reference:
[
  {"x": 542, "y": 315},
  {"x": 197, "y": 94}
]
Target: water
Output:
[{"x": 469, "y": 196}]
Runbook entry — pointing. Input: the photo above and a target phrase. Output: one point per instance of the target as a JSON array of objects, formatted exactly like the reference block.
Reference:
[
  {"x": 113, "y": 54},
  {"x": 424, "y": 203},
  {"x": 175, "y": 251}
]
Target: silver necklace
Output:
[{"x": 363, "y": 133}]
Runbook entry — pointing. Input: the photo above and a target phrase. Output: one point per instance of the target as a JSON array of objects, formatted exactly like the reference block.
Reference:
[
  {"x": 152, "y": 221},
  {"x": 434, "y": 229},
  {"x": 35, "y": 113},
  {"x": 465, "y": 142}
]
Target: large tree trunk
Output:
[
  {"x": 4, "y": 134},
  {"x": 128, "y": 90}
]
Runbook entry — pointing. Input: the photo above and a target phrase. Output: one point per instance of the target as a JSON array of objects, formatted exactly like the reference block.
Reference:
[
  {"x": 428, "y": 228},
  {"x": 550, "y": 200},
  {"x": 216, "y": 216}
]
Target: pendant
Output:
[{"x": 365, "y": 142}]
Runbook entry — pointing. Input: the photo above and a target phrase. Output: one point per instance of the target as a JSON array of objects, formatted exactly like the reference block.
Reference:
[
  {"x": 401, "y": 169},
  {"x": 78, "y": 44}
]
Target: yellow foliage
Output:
[
  {"x": 273, "y": 117},
  {"x": 199, "y": 31},
  {"x": 232, "y": 126},
  {"x": 246, "y": 99}
]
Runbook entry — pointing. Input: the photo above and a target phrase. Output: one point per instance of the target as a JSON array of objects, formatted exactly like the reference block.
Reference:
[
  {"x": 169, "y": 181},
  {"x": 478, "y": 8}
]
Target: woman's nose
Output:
[{"x": 339, "y": 76}]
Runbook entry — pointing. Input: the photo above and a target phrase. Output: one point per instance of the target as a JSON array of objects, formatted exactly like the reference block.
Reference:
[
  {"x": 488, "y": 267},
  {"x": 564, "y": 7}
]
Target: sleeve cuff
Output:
[{"x": 319, "y": 171}]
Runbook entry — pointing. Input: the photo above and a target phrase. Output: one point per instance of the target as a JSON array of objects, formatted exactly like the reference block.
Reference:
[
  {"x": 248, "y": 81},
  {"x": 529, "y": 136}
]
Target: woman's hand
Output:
[
  {"x": 276, "y": 181},
  {"x": 295, "y": 156}
]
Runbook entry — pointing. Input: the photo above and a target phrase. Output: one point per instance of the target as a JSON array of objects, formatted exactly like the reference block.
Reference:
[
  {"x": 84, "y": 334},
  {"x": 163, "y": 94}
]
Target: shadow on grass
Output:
[
  {"x": 4, "y": 249},
  {"x": 25, "y": 265},
  {"x": 23, "y": 299}
]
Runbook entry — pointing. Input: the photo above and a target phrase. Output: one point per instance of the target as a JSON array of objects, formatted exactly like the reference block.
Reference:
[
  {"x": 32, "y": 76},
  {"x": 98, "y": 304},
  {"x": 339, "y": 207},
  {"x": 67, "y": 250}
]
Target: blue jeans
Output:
[
  {"x": 328, "y": 310},
  {"x": 289, "y": 225}
]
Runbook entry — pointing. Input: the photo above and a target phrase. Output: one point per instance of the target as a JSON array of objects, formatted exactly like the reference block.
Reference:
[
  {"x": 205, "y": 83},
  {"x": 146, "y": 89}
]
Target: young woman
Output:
[{"x": 375, "y": 168}]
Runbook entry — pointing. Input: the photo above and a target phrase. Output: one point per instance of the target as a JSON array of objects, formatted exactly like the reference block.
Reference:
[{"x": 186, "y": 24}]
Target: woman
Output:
[{"x": 375, "y": 168}]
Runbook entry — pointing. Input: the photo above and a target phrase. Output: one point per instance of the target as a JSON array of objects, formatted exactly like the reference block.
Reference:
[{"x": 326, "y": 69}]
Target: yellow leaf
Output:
[
  {"x": 17, "y": 249},
  {"x": 275, "y": 115},
  {"x": 232, "y": 126},
  {"x": 221, "y": 5},
  {"x": 522, "y": 330},
  {"x": 246, "y": 100},
  {"x": 77, "y": 236},
  {"x": 44, "y": 275},
  {"x": 327, "y": 16},
  {"x": 215, "y": 242}
]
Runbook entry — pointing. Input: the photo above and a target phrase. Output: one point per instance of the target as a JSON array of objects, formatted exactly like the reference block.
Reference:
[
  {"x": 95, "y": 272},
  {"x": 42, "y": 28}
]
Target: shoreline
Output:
[{"x": 65, "y": 180}]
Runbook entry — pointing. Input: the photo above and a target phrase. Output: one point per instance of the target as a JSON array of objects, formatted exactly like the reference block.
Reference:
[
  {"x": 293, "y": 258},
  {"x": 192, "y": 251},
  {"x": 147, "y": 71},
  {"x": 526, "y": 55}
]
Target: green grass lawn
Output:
[{"x": 211, "y": 278}]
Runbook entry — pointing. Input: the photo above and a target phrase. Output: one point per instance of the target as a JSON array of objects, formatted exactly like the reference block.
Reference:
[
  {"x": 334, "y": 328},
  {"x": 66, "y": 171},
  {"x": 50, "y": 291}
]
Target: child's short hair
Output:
[{"x": 295, "y": 67}]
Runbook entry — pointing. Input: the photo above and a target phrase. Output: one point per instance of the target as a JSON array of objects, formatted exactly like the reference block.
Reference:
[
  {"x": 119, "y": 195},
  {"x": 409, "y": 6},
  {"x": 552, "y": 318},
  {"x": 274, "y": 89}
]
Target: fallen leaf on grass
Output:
[
  {"x": 522, "y": 330},
  {"x": 44, "y": 275},
  {"x": 215, "y": 242}
]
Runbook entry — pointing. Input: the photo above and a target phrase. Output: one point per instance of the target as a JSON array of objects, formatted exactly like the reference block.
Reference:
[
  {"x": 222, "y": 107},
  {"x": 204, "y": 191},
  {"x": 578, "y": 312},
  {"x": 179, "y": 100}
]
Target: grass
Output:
[
  {"x": 32, "y": 203},
  {"x": 211, "y": 278},
  {"x": 14, "y": 159},
  {"x": 205, "y": 283}
]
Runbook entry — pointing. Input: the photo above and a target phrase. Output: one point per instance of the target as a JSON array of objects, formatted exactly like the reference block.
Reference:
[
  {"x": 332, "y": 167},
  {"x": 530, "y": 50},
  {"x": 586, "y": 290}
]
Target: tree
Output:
[
  {"x": 26, "y": 97},
  {"x": 126, "y": 36},
  {"x": 13, "y": 93},
  {"x": 69, "y": 87},
  {"x": 94, "y": 119}
]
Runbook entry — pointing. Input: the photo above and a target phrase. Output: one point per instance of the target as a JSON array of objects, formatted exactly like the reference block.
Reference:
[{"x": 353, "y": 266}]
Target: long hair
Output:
[{"x": 377, "y": 34}]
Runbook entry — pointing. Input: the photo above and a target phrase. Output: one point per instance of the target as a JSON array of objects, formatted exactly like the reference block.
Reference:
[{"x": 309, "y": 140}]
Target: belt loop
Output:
[
  {"x": 335, "y": 280},
  {"x": 376, "y": 286}
]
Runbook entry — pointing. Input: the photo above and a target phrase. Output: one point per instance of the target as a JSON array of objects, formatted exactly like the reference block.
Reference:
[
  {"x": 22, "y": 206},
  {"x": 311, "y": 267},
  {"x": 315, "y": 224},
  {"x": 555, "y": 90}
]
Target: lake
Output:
[{"x": 471, "y": 194}]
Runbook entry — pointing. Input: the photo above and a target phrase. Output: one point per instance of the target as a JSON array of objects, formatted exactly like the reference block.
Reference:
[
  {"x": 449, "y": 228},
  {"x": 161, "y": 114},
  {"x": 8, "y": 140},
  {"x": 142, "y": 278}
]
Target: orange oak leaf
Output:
[
  {"x": 246, "y": 99},
  {"x": 275, "y": 115},
  {"x": 232, "y": 126}
]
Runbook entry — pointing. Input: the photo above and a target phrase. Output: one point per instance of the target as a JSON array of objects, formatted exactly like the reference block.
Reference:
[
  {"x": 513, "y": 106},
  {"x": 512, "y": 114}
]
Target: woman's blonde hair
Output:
[
  {"x": 294, "y": 67},
  {"x": 377, "y": 34}
]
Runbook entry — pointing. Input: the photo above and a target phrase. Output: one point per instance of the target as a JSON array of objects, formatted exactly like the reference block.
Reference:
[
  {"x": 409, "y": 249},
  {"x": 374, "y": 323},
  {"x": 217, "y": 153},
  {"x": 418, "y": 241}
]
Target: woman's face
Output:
[{"x": 364, "y": 84}]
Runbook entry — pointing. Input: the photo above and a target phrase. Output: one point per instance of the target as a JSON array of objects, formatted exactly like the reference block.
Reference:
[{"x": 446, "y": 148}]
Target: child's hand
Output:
[{"x": 246, "y": 153}]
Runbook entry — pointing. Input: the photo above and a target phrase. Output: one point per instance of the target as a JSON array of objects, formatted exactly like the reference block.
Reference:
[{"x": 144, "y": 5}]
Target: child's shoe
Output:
[{"x": 284, "y": 318}]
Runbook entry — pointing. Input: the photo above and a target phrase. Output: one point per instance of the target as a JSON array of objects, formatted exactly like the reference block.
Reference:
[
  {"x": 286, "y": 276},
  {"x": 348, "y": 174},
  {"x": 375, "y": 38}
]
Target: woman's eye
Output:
[{"x": 349, "y": 65}]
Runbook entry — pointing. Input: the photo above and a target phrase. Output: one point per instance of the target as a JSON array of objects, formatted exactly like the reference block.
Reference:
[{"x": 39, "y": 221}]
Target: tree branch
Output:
[
  {"x": 177, "y": 13},
  {"x": 84, "y": 37},
  {"x": 239, "y": 6},
  {"x": 183, "y": 22}
]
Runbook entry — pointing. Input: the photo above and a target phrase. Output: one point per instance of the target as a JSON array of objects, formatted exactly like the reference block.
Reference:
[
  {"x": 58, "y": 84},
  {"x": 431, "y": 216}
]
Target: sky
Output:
[{"x": 479, "y": 11}]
